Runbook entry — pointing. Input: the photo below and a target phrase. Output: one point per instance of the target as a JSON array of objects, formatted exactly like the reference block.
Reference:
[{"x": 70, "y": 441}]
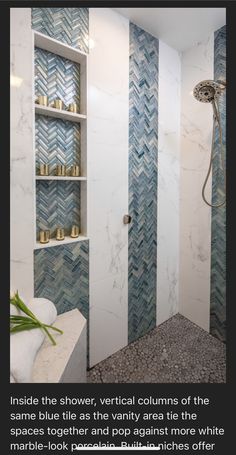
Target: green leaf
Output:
[
  {"x": 21, "y": 327},
  {"x": 14, "y": 318}
]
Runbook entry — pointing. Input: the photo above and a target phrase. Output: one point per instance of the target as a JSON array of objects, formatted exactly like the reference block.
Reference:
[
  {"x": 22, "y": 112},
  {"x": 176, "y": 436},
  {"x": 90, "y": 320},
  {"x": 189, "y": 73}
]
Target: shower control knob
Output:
[{"x": 126, "y": 219}]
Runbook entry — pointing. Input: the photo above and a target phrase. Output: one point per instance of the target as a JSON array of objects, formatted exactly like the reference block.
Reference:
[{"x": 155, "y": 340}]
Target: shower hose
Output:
[{"x": 216, "y": 119}]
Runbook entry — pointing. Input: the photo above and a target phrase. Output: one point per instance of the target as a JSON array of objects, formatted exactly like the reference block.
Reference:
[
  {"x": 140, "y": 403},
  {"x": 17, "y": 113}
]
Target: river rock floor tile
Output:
[{"x": 177, "y": 351}]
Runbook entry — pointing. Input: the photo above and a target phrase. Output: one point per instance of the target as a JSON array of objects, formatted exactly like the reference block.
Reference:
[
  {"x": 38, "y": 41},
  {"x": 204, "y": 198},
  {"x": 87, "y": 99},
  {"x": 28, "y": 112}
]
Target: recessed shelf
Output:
[
  {"x": 58, "y": 113},
  {"x": 77, "y": 155},
  {"x": 56, "y": 177},
  {"x": 54, "y": 242},
  {"x": 57, "y": 47}
]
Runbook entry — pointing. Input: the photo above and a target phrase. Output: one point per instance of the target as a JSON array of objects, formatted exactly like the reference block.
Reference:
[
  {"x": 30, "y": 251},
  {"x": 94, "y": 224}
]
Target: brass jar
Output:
[
  {"x": 42, "y": 100},
  {"x": 61, "y": 170},
  {"x": 75, "y": 170},
  {"x": 60, "y": 235},
  {"x": 43, "y": 169},
  {"x": 58, "y": 104},
  {"x": 74, "y": 231},
  {"x": 73, "y": 108},
  {"x": 44, "y": 236}
]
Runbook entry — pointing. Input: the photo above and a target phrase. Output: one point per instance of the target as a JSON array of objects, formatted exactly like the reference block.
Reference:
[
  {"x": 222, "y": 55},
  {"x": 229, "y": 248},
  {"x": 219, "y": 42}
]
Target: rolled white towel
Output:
[{"x": 25, "y": 345}]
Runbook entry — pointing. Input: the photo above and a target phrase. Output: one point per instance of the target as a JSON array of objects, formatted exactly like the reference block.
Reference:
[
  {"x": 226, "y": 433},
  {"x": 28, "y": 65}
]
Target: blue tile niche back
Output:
[
  {"x": 68, "y": 25},
  {"x": 57, "y": 205},
  {"x": 56, "y": 77}
]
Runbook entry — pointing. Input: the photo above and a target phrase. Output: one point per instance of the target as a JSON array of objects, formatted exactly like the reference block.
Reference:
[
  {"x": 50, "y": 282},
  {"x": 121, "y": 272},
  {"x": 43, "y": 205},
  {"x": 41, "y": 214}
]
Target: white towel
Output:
[{"x": 25, "y": 345}]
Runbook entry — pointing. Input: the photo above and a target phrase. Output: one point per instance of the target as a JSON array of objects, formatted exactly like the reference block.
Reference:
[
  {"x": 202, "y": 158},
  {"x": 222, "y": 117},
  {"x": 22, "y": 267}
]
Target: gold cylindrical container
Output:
[
  {"x": 44, "y": 236},
  {"x": 74, "y": 231},
  {"x": 73, "y": 108},
  {"x": 43, "y": 100},
  {"x": 60, "y": 235},
  {"x": 58, "y": 104},
  {"x": 61, "y": 170},
  {"x": 43, "y": 169},
  {"x": 75, "y": 170}
]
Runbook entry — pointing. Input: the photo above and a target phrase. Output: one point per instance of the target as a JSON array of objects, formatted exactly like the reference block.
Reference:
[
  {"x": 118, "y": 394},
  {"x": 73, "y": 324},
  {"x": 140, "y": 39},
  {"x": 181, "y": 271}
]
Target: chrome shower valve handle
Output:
[{"x": 127, "y": 219}]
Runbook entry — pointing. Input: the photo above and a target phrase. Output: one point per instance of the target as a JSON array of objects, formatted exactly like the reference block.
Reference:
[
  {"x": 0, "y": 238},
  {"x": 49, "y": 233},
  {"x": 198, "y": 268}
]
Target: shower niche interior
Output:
[{"x": 60, "y": 73}]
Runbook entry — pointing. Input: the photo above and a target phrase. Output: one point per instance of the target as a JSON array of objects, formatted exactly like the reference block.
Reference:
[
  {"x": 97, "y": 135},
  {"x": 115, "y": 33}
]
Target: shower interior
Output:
[{"x": 102, "y": 288}]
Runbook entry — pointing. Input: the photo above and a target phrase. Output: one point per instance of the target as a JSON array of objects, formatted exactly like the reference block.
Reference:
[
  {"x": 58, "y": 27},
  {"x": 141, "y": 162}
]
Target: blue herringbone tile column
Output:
[
  {"x": 143, "y": 143},
  {"x": 218, "y": 242}
]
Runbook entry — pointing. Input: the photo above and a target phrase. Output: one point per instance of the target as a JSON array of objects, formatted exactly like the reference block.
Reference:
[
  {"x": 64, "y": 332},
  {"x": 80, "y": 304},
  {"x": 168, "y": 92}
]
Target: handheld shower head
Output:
[{"x": 207, "y": 91}]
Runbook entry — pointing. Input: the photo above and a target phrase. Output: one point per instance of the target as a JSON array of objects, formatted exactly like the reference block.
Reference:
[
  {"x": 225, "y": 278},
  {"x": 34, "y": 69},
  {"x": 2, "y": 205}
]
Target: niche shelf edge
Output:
[
  {"x": 57, "y": 113},
  {"x": 54, "y": 242},
  {"x": 57, "y": 47},
  {"x": 58, "y": 178}
]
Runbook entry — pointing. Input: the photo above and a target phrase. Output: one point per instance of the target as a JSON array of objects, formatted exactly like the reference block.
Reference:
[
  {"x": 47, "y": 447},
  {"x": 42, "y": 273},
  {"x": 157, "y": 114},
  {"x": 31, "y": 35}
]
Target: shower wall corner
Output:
[{"x": 168, "y": 198}]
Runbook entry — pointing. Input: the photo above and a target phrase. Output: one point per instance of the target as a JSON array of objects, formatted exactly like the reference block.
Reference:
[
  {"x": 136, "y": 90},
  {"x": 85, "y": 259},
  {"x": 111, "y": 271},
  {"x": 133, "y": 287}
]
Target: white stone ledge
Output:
[{"x": 67, "y": 361}]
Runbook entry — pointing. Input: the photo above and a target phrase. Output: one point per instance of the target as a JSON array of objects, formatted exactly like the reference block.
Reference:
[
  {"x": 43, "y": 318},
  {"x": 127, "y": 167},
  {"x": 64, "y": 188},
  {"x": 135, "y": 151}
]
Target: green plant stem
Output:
[
  {"x": 54, "y": 328},
  {"x": 19, "y": 319},
  {"x": 49, "y": 335}
]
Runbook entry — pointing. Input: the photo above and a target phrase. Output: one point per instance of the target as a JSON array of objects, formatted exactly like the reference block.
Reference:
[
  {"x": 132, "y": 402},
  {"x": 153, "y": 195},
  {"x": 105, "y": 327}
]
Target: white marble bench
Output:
[{"x": 67, "y": 361}]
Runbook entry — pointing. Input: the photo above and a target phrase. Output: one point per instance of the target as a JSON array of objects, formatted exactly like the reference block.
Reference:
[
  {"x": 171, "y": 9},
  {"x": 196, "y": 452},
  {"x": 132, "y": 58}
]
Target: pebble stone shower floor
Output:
[{"x": 177, "y": 351}]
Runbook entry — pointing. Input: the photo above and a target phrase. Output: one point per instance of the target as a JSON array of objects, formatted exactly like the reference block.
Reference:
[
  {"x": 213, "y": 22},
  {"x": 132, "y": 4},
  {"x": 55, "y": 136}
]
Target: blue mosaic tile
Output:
[
  {"x": 68, "y": 25},
  {"x": 61, "y": 274},
  {"x": 56, "y": 142},
  {"x": 143, "y": 149},
  {"x": 56, "y": 77},
  {"x": 57, "y": 205},
  {"x": 218, "y": 226}
]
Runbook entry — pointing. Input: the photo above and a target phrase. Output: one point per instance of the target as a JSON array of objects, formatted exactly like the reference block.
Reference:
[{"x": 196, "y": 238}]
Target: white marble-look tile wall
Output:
[
  {"x": 168, "y": 183},
  {"x": 22, "y": 210},
  {"x": 108, "y": 122},
  {"x": 195, "y": 215}
]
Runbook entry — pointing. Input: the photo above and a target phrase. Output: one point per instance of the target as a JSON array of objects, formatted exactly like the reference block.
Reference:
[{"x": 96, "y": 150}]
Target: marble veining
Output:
[
  {"x": 21, "y": 163},
  {"x": 168, "y": 183},
  {"x": 108, "y": 73},
  {"x": 195, "y": 215}
]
